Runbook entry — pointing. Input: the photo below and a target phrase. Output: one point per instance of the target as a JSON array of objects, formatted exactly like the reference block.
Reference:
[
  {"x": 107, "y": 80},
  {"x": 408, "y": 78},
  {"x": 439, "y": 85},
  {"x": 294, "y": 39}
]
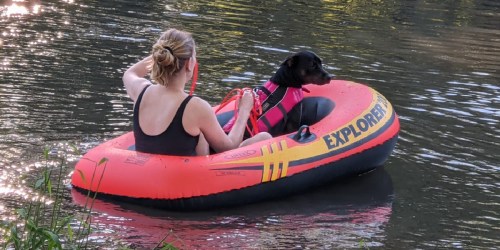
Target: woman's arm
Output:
[
  {"x": 133, "y": 78},
  {"x": 211, "y": 129}
]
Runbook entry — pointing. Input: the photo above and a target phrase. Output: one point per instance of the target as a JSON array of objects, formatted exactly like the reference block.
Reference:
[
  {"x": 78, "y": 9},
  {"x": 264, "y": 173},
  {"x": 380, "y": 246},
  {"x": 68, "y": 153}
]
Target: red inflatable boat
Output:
[{"x": 346, "y": 129}]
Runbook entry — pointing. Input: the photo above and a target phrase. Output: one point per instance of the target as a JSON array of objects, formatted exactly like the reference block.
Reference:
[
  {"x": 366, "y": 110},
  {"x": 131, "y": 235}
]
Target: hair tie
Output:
[{"x": 169, "y": 49}]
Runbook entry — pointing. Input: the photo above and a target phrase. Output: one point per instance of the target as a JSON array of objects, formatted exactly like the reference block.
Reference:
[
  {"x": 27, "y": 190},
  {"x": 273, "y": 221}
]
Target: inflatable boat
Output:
[{"x": 345, "y": 129}]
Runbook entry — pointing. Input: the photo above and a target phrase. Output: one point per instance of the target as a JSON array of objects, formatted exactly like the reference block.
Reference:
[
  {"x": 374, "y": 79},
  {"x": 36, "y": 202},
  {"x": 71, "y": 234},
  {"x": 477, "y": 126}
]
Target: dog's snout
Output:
[{"x": 326, "y": 78}]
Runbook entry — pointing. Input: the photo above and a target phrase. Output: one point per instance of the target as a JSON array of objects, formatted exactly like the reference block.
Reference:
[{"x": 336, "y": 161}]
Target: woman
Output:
[{"x": 166, "y": 119}]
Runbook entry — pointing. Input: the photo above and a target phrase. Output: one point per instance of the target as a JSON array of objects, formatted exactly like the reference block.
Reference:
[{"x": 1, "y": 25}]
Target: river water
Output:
[{"x": 437, "y": 62}]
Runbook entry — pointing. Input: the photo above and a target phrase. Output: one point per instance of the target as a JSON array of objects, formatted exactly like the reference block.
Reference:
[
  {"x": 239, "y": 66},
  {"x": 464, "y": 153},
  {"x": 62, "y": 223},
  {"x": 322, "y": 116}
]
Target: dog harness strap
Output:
[
  {"x": 265, "y": 90},
  {"x": 276, "y": 102},
  {"x": 276, "y": 105},
  {"x": 266, "y": 122},
  {"x": 283, "y": 111}
]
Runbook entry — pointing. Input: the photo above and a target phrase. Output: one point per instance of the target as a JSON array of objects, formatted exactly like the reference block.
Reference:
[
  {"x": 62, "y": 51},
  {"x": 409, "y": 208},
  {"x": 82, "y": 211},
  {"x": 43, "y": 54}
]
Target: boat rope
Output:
[
  {"x": 195, "y": 78},
  {"x": 235, "y": 96}
]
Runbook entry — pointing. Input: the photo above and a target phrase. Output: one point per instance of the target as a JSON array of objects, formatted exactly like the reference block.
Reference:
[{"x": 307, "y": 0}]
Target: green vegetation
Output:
[
  {"x": 362, "y": 244},
  {"x": 41, "y": 223},
  {"x": 163, "y": 245}
]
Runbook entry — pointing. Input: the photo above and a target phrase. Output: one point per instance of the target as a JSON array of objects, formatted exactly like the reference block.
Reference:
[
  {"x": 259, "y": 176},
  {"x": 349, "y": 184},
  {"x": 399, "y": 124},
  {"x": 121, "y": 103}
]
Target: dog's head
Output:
[{"x": 305, "y": 67}]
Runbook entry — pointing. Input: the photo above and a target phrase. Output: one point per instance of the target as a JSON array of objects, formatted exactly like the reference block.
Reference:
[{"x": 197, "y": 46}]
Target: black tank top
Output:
[{"x": 173, "y": 141}]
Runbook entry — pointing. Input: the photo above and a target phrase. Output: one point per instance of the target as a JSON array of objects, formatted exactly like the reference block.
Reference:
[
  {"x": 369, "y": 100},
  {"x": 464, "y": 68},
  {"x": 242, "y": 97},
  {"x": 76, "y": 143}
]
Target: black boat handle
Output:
[{"x": 303, "y": 135}]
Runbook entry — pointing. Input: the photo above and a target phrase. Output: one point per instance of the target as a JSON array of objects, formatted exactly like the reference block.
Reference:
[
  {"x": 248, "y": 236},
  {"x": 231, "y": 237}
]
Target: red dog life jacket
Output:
[{"x": 276, "y": 103}]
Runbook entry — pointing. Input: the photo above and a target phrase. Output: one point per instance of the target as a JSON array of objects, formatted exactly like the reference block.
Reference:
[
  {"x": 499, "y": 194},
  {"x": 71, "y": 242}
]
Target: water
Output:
[{"x": 438, "y": 62}]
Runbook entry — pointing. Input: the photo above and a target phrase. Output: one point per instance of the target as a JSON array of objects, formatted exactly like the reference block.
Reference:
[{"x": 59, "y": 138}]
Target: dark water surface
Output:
[{"x": 438, "y": 62}]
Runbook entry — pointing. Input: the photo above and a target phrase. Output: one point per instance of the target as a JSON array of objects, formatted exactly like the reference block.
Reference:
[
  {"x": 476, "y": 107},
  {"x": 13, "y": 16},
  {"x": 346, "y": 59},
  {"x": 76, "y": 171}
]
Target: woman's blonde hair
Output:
[{"x": 170, "y": 54}]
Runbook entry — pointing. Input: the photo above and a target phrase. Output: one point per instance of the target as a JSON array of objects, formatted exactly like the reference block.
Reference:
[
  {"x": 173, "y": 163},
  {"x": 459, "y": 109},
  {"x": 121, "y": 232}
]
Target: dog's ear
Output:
[{"x": 289, "y": 61}]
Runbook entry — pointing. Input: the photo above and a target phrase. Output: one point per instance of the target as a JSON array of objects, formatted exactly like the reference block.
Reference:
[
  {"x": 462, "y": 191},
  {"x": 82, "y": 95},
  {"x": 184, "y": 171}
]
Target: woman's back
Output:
[{"x": 158, "y": 123}]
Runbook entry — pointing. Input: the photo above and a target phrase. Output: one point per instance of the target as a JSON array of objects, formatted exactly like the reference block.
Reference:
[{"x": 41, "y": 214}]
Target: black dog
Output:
[
  {"x": 302, "y": 68},
  {"x": 281, "y": 94}
]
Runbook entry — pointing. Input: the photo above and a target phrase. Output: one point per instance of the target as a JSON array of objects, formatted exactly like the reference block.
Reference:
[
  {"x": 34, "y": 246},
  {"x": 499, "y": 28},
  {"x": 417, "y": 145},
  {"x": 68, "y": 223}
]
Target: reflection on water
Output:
[
  {"x": 19, "y": 8},
  {"x": 327, "y": 218},
  {"x": 438, "y": 62}
]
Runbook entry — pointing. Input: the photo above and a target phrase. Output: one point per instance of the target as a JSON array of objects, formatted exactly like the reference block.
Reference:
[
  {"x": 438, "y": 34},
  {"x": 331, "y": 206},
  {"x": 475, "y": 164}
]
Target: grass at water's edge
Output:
[{"x": 41, "y": 223}]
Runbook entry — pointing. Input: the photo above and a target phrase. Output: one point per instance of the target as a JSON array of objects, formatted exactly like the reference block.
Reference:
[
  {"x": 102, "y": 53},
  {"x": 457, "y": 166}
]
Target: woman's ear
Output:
[{"x": 191, "y": 63}]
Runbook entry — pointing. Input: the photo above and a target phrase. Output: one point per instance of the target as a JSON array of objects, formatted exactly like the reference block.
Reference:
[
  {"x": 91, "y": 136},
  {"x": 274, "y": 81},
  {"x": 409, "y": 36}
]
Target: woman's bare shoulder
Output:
[
  {"x": 199, "y": 107},
  {"x": 199, "y": 102}
]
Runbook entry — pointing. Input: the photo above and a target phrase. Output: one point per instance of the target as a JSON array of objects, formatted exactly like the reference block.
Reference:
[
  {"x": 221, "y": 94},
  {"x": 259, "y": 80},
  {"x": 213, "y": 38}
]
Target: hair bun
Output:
[
  {"x": 168, "y": 49},
  {"x": 163, "y": 55}
]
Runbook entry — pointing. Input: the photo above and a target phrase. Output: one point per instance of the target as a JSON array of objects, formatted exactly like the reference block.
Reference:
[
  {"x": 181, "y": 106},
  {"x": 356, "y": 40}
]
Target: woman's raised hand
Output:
[{"x": 246, "y": 102}]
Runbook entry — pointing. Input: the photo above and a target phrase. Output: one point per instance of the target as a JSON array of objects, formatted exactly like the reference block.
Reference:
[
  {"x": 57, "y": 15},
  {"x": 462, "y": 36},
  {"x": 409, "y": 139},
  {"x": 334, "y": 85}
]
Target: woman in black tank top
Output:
[
  {"x": 185, "y": 144},
  {"x": 166, "y": 119}
]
